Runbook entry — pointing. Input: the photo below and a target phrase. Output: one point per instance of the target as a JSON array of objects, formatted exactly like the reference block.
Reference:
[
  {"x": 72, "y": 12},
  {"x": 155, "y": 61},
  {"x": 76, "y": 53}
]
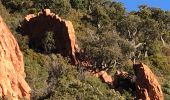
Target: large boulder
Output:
[
  {"x": 12, "y": 77},
  {"x": 105, "y": 77},
  {"x": 147, "y": 86},
  {"x": 37, "y": 25}
]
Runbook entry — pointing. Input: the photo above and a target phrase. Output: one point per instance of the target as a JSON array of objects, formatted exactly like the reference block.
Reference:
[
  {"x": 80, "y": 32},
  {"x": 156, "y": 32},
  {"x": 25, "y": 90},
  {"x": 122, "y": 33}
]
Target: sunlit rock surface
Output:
[
  {"x": 147, "y": 86},
  {"x": 12, "y": 77}
]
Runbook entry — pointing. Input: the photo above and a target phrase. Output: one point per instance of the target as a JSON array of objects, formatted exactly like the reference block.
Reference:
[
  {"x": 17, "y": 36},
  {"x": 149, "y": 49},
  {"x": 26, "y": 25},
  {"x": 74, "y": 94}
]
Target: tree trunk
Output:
[
  {"x": 146, "y": 54},
  {"x": 164, "y": 44}
]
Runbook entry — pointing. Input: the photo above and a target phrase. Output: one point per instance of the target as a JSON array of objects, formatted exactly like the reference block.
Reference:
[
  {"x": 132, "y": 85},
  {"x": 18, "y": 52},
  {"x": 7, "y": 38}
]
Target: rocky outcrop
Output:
[
  {"x": 36, "y": 26},
  {"x": 105, "y": 77},
  {"x": 147, "y": 86},
  {"x": 12, "y": 77}
]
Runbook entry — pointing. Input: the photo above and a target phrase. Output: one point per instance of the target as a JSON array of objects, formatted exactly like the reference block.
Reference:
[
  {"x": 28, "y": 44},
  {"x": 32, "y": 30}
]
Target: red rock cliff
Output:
[
  {"x": 35, "y": 26},
  {"x": 12, "y": 77},
  {"x": 147, "y": 86}
]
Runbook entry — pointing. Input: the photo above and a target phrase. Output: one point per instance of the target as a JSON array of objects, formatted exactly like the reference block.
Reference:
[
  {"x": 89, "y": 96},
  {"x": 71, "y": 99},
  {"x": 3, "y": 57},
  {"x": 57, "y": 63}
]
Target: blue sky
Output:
[{"x": 133, "y": 4}]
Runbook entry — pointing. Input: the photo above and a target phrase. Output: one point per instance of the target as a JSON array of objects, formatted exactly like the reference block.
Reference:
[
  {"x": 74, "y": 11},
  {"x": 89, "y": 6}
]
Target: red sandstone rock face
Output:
[
  {"x": 105, "y": 76},
  {"x": 35, "y": 26},
  {"x": 147, "y": 86},
  {"x": 12, "y": 76}
]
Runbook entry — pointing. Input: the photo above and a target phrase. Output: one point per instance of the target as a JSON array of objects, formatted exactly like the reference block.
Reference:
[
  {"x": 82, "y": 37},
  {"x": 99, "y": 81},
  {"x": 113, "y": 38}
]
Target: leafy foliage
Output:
[{"x": 73, "y": 85}]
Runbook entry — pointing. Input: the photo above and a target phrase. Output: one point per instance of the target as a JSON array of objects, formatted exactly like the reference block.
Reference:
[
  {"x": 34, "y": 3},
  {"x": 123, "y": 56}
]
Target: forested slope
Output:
[{"x": 109, "y": 36}]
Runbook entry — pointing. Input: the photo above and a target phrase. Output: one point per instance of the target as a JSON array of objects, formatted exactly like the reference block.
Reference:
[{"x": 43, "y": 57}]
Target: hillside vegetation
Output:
[{"x": 109, "y": 35}]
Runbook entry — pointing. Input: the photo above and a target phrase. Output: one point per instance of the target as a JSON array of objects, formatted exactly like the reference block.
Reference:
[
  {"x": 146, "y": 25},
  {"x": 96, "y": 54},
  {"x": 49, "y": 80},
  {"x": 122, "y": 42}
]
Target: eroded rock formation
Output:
[
  {"x": 12, "y": 77},
  {"x": 147, "y": 86},
  {"x": 105, "y": 77},
  {"x": 36, "y": 26}
]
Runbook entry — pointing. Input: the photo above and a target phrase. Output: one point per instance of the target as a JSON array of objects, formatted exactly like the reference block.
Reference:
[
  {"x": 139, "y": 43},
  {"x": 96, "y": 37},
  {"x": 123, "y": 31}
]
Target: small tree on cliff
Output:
[
  {"x": 129, "y": 29},
  {"x": 104, "y": 52},
  {"x": 49, "y": 42}
]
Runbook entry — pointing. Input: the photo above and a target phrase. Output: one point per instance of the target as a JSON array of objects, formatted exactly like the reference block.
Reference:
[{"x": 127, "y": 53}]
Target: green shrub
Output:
[
  {"x": 17, "y": 5},
  {"x": 4, "y": 13},
  {"x": 36, "y": 68},
  {"x": 166, "y": 90},
  {"x": 77, "y": 4},
  {"x": 49, "y": 42},
  {"x": 160, "y": 63},
  {"x": 70, "y": 84}
]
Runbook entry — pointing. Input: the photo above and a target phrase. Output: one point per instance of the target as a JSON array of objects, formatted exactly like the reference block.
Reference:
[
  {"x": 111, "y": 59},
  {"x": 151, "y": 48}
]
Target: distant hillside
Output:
[{"x": 111, "y": 38}]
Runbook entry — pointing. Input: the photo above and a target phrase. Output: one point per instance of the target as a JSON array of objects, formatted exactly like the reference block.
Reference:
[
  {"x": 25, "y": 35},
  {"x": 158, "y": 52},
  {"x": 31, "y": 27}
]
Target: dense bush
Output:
[
  {"x": 49, "y": 42},
  {"x": 61, "y": 81},
  {"x": 161, "y": 63},
  {"x": 36, "y": 68},
  {"x": 73, "y": 85},
  {"x": 166, "y": 88}
]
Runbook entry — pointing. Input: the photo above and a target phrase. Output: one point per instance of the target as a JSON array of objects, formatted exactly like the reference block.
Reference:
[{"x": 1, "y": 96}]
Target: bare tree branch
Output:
[
  {"x": 163, "y": 41},
  {"x": 134, "y": 33},
  {"x": 129, "y": 34},
  {"x": 138, "y": 45},
  {"x": 146, "y": 54}
]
